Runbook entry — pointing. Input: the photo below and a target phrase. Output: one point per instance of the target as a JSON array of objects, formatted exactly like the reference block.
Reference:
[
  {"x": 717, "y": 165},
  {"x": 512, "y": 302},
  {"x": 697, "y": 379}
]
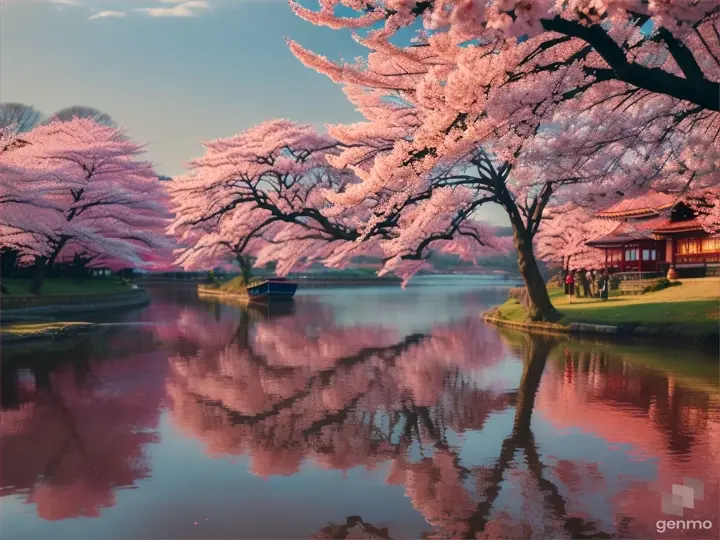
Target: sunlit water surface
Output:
[{"x": 206, "y": 420}]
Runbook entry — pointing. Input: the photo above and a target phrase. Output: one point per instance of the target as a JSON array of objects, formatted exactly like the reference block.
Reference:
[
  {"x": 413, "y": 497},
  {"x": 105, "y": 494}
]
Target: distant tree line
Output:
[{"x": 75, "y": 194}]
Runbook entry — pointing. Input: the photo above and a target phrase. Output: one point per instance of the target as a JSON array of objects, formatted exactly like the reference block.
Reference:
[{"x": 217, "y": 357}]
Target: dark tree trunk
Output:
[
  {"x": 540, "y": 307},
  {"x": 79, "y": 268},
  {"x": 76, "y": 268},
  {"x": 8, "y": 259},
  {"x": 245, "y": 268},
  {"x": 525, "y": 223},
  {"x": 41, "y": 264}
]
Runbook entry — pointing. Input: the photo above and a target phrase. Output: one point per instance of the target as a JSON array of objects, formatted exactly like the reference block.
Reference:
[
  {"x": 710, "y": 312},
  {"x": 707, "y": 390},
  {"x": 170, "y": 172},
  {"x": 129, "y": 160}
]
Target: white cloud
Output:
[
  {"x": 182, "y": 8},
  {"x": 60, "y": 5},
  {"x": 106, "y": 14},
  {"x": 154, "y": 8}
]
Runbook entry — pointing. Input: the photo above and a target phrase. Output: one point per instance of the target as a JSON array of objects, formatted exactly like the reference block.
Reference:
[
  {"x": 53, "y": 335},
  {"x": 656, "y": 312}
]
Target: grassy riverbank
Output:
[
  {"x": 63, "y": 286},
  {"x": 234, "y": 287},
  {"x": 64, "y": 297},
  {"x": 691, "y": 308}
]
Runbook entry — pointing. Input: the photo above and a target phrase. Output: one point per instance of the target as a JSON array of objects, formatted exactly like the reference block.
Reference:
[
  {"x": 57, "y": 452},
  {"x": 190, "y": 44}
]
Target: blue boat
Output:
[{"x": 273, "y": 288}]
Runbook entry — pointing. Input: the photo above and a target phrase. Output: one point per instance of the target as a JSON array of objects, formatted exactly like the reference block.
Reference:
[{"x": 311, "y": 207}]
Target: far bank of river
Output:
[
  {"x": 50, "y": 307},
  {"x": 682, "y": 315}
]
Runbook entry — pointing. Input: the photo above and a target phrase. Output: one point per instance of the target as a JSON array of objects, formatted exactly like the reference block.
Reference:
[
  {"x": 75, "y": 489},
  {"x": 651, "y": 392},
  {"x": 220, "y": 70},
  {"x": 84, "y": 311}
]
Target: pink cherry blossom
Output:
[
  {"x": 265, "y": 194},
  {"x": 91, "y": 196},
  {"x": 598, "y": 101}
]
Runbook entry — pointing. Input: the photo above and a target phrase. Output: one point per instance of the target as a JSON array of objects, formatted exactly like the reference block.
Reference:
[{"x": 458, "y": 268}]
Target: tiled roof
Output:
[
  {"x": 678, "y": 226},
  {"x": 649, "y": 204},
  {"x": 629, "y": 231}
]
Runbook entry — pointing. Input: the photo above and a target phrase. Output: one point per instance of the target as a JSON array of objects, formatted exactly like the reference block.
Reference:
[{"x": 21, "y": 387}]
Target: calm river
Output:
[{"x": 198, "y": 420}]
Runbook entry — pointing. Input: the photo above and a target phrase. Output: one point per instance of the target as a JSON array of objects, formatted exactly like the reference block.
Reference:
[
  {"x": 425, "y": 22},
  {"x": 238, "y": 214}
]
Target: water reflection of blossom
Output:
[
  {"x": 73, "y": 445},
  {"x": 644, "y": 415},
  {"x": 364, "y": 375},
  {"x": 302, "y": 391},
  {"x": 341, "y": 398},
  {"x": 355, "y": 403}
]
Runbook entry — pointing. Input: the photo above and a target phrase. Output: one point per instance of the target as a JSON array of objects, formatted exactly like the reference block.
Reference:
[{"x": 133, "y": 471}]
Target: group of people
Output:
[{"x": 587, "y": 284}]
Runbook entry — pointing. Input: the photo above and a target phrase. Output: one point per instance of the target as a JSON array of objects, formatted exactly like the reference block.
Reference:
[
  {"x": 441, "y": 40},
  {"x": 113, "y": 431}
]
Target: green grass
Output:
[
  {"x": 689, "y": 308},
  {"x": 63, "y": 286},
  {"x": 511, "y": 310},
  {"x": 235, "y": 286},
  {"x": 695, "y": 312}
]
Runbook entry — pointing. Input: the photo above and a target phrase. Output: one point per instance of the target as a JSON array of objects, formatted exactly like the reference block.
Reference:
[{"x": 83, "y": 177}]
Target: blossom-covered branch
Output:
[{"x": 264, "y": 193}]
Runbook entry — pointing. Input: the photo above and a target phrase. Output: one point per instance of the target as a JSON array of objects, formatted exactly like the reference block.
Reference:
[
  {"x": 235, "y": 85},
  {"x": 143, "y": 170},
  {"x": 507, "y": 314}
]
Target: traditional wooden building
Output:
[
  {"x": 687, "y": 245},
  {"x": 650, "y": 240}
]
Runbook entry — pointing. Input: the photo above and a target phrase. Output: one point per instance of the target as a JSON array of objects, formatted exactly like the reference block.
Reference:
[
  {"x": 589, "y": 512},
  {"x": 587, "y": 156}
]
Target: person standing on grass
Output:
[
  {"x": 578, "y": 283},
  {"x": 587, "y": 280},
  {"x": 605, "y": 285},
  {"x": 569, "y": 284},
  {"x": 594, "y": 285}
]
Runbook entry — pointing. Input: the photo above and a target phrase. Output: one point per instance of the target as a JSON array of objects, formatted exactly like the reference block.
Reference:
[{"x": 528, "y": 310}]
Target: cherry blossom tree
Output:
[
  {"x": 263, "y": 187},
  {"x": 562, "y": 237},
  {"x": 525, "y": 123},
  {"x": 705, "y": 203},
  {"x": 264, "y": 193},
  {"x": 108, "y": 204},
  {"x": 26, "y": 211},
  {"x": 670, "y": 48}
]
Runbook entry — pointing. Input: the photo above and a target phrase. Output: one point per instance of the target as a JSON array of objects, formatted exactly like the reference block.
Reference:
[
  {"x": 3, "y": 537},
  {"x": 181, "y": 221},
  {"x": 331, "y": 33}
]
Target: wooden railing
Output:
[
  {"x": 635, "y": 286},
  {"x": 698, "y": 258},
  {"x": 637, "y": 276}
]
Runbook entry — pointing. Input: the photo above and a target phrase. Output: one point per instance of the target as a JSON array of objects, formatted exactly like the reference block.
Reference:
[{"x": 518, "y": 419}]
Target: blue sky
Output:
[
  {"x": 173, "y": 72},
  {"x": 172, "y": 81}
]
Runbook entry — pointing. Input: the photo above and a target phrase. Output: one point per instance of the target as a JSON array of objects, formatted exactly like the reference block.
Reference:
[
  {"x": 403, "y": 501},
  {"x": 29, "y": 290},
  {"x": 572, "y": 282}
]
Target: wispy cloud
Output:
[
  {"x": 60, "y": 5},
  {"x": 181, "y": 8},
  {"x": 150, "y": 8},
  {"x": 106, "y": 14}
]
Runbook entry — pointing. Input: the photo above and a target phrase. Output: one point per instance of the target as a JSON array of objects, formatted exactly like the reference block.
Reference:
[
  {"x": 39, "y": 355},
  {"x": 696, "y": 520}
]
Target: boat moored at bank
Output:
[{"x": 272, "y": 288}]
